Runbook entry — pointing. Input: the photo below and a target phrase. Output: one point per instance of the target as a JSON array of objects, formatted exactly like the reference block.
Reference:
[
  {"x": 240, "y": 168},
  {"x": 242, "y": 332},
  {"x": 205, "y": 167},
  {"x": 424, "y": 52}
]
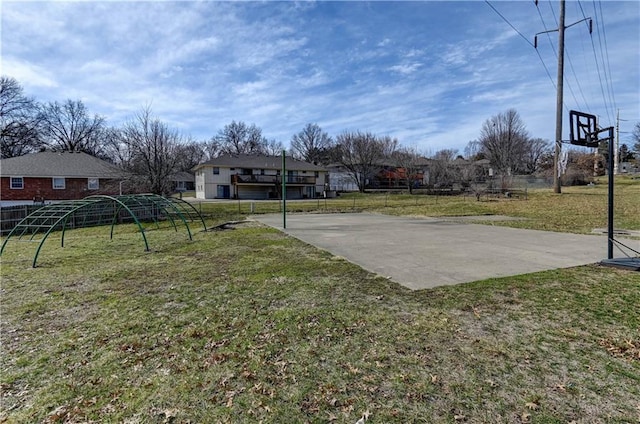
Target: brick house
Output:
[
  {"x": 257, "y": 177},
  {"x": 56, "y": 175}
]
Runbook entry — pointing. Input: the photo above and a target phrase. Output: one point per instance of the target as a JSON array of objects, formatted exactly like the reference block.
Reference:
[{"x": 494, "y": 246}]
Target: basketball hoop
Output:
[{"x": 584, "y": 129}]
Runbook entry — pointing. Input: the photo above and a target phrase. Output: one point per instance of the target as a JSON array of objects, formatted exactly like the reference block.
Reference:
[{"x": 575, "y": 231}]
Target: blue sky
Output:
[{"x": 428, "y": 73}]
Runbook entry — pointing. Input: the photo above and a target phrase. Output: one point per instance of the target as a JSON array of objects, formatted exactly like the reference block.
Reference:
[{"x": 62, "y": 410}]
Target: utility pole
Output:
[
  {"x": 616, "y": 153},
  {"x": 557, "y": 186},
  {"x": 617, "y": 157}
]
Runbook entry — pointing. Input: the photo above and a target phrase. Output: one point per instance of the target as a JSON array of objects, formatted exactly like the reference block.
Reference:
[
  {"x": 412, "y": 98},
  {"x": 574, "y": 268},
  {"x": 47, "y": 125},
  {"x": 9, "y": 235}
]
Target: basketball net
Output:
[{"x": 563, "y": 161}]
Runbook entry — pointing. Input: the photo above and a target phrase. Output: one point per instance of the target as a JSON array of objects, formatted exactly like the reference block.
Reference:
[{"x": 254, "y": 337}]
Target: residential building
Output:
[
  {"x": 56, "y": 175},
  {"x": 340, "y": 179},
  {"x": 183, "y": 181},
  {"x": 257, "y": 177}
]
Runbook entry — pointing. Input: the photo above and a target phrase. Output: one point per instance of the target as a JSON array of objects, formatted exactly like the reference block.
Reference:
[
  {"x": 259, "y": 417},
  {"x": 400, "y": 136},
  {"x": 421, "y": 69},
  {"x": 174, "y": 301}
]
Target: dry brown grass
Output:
[{"x": 252, "y": 326}]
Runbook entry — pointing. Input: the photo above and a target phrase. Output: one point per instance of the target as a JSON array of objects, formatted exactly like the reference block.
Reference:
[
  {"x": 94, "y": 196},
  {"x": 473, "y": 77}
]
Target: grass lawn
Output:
[{"x": 250, "y": 325}]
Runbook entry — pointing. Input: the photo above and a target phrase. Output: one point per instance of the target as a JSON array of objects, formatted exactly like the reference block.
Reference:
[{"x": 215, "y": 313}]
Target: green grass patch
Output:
[{"x": 250, "y": 325}]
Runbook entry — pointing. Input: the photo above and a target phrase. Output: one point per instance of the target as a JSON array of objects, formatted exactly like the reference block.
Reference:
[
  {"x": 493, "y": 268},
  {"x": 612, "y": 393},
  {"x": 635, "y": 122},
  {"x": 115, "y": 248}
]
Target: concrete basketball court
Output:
[{"x": 422, "y": 253}]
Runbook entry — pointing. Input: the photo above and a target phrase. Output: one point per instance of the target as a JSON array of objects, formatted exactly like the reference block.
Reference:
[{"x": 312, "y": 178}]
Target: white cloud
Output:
[
  {"x": 406, "y": 68},
  {"x": 281, "y": 65},
  {"x": 29, "y": 75}
]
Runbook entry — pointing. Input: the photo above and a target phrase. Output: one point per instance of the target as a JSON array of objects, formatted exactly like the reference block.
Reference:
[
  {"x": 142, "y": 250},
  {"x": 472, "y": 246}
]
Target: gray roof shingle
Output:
[{"x": 59, "y": 164}]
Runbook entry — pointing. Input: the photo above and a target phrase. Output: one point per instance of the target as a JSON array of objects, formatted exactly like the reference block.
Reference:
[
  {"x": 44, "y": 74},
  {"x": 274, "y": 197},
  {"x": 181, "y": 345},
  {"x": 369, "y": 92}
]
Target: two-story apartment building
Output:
[{"x": 257, "y": 177}]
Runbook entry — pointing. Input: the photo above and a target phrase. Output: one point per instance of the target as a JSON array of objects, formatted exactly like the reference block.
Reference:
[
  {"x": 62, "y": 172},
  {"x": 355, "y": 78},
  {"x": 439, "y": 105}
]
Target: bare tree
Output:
[
  {"x": 68, "y": 126},
  {"x": 189, "y": 153},
  {"x": 411, "y": 166},
  {"x": 113, "y": 148},
  {"x": 503, "y": 140},
  {"x": 18, "y": 120},
  {"x": 533, "y": 155},
  {"x": 211, "y": 148},
  {"x": 635, "y": 137},
  {"x": 443, "y": 173},
  {"x": 310, "y": 144},
  {"x": 448, "y": 155},
  {"x": 388, "y": 145},
  {"x": 239, "y": 138},
  {"x": 580, "y": 167},
  {"x": 273, "y": 148},
  {"x": 150, "y": 150},
  {"x": 473, "y": 150},
  {"x": 625, "y": 153},
  {"x": 361, "y": 154}
]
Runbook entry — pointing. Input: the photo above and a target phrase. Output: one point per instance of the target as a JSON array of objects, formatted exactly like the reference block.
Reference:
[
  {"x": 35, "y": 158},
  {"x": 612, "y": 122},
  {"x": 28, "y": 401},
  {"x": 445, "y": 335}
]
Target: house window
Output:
[
  {"x": 262, "y": 172},
  {"x": 216, "y": 170},
  {"x": 17, "y": 183},
  {"x": 58, "y": 183},
  {"x": 93, "y": 183},
  {"x": 316, "y": 174}
]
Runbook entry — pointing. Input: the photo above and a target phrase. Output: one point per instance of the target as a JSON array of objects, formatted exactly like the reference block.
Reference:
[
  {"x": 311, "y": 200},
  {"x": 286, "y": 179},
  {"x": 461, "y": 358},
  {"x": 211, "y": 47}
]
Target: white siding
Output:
[
  {"x": 200, "y": 192},
  {"x": 207, "y": 183}
]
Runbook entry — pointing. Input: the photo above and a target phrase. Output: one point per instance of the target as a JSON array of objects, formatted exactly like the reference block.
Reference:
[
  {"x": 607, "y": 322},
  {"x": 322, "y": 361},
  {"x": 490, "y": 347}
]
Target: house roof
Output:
[
  {"x": 58, "y": 164},
  {"x": 259, "y": 162},
  {"x": 183, "y": 176}
]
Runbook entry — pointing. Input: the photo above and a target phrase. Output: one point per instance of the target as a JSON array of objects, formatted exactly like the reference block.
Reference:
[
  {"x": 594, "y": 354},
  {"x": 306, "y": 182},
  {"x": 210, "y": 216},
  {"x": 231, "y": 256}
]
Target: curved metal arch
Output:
[
  {"x": 189, "y": 208},
  {"x": 164, "y": 202},
  {"x": 159, "y": 202},
  {"x": 51, "y": 216},
  {"x": 98, "y": 198},
  {"x": 116, "y": 200},
  {"x": 130, "y": 202},
  {"x": 26, "y": 223},
  {"x": 56, "y": 215}
]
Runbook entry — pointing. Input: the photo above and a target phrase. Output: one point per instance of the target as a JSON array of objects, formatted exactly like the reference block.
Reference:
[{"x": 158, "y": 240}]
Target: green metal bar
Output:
[
  {"x": 185, "y": 203},
  {"x": 284, "y": 190},
  {"x": 144, "y": 237},
  {"x": 175, "y": 227},
  {"x": 35, "y": 257},
  {"x": 64, "y": 227},
  {"x": 114, "y": 220},
  {"x": 610, "y": 191},
  {"x": 173, "y": 206}
]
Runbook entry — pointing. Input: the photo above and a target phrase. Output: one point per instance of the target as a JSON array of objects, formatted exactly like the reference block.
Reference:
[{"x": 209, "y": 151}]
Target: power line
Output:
[
  {"x": 586, "y": 65},
  {"x": 549, "y": 74},
  {"x": 606, "y": 50},
  {"x": 525, "y": 39},
  {"x": 595, "y": 55},
  {"x": 553, "y": 48},
  {"x": 568, "y": 56},
  {"x": 509, "y": 23}
]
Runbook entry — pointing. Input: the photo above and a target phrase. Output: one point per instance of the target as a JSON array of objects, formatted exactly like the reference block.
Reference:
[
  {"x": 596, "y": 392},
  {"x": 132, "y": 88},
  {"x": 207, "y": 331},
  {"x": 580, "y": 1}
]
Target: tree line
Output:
[{"x": 151, "y": 151}]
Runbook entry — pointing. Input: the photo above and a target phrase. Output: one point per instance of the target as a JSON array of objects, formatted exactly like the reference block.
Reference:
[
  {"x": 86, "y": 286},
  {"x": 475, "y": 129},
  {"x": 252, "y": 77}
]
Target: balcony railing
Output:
[{"x": 272, "y": 179}]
